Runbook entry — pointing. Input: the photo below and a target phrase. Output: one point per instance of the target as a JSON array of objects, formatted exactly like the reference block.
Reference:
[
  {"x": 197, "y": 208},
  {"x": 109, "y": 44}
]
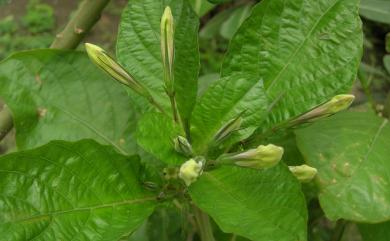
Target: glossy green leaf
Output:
[
  {"x": 305, "y": 51},
  {"x": 138, "y": 49},
  {"x": 376, "y": 10},
  {"x": 60, "y": 95},
  {"x": 351, "y": 152},
  {"x": 259, "y": 205},
  {"x": 375, "y": 232},
  {"x": 223, "y": 101},
  {"x": 71, "y": 191},
  {"x": 155, "y": 134}
]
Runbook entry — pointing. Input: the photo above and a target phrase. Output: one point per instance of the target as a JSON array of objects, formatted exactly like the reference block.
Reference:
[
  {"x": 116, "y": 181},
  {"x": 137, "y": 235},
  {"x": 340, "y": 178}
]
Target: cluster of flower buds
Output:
[
  {"x": 191, "y": 170},
  {"x": 259, "y": 158},
  {"x": 303, "y": 173}
]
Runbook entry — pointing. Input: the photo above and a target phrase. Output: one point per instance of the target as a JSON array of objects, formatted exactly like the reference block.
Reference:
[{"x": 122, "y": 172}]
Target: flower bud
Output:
[
  {"x": 190, "y": 171},
  {"x": 303, "y": 173},
  {"x": 114, "y": 69},
  {"x": 167, "y": 47},
  {"x": 228, "y": 128},
  {"x": 259, "y": 158},
  {"x": 336, "y": 104},
  {"x": 182, "y": 146}
]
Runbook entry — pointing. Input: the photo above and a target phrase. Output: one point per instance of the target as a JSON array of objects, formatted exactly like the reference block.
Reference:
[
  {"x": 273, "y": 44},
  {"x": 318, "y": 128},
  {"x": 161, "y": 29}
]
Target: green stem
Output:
[
  {"x": 86, "y": 16},
  {"x": 204, "y": 226},
  {"x": 5, "y": 122},
  {"x": 174, "y": 109}
]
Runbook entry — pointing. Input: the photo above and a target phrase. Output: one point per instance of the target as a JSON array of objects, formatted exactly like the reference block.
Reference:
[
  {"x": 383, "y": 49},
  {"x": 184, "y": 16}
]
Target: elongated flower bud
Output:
[
  {"x": 167, "y": 48},
  {"x": 114, "y": 69},
  {"x": 336, "y": 104},
  {"x": 259, "y": 158},
  {"x": 190, "y": 171},
  {"x": 303, "y": 173},
  {"x": 227, "y": 129},
  {"x": 182, "y": 146}
]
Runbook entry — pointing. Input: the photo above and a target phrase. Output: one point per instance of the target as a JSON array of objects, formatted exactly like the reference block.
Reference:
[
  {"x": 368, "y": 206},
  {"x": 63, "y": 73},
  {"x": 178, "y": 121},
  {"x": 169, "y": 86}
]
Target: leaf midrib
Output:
[
  {"x": 82, "y": 209},
  {"x": 293, "y": 55}
]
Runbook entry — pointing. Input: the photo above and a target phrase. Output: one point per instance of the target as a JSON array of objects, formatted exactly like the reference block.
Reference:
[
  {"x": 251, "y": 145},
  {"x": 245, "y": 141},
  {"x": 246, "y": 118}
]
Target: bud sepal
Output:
[{"x": 182, "y": 145}]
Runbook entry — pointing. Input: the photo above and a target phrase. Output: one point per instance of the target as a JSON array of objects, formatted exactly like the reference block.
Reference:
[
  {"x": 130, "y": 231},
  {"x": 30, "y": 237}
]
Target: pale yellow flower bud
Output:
[
  {"x": 190, "y": 171},
  {"x": 334, "y": 105},
  {"x": 303, "y": 173},
  {"x": 114, "y": 69},
  {"x": 259, "y": 158},
  {"x": 167, "y": 47}
]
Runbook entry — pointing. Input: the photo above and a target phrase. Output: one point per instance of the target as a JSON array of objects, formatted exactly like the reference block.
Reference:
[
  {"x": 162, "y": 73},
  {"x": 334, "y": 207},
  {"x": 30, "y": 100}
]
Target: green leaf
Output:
[
  {"x": 165, "y": 224},
  {"x": 225, "y": 100},
  {"x": 60, "y": 95},
  {"x": 376, "y": 10},
  {"x": 155, "y": 134},
  {"x": 201, "y": 7},
  {"x": 213, "y": 26},
  {"x": 138, "y": 49},
  {"x": 259, "y": 205},
  {"x": 375, "y": 232},
  {"x": 232, "y": 24},
  {"x": 350, "y": 151},
  {"x": 71, "y": 191},
  {"x": 205, "y": 81},
  {"x": 305, "y": 51}
]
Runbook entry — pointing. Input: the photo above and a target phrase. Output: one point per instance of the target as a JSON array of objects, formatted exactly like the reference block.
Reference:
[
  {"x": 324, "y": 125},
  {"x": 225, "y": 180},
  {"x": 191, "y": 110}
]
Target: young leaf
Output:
[
  {"x": 223, "y": 101},
  {"x": 138, "y": 49},
  {"x": 305, "y": 51},
  {"x": 71, "y": 191},
  {"x": 350, "y": 152},
  {"x": 61, "y": 95},
  {"x": 155, "y": 134},
  {"x": 259, "y": 205}
]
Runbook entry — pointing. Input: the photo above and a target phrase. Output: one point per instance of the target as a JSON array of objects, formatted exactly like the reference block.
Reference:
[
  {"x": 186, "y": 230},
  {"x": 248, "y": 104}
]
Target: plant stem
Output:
[
  {"x": 339, "y": 230},
  {"x": 174, "y": 109},
  {"x": 204, "y": 226},
  {"x": 5, "y": 122},
  {"x": 86, "y": 16}
]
